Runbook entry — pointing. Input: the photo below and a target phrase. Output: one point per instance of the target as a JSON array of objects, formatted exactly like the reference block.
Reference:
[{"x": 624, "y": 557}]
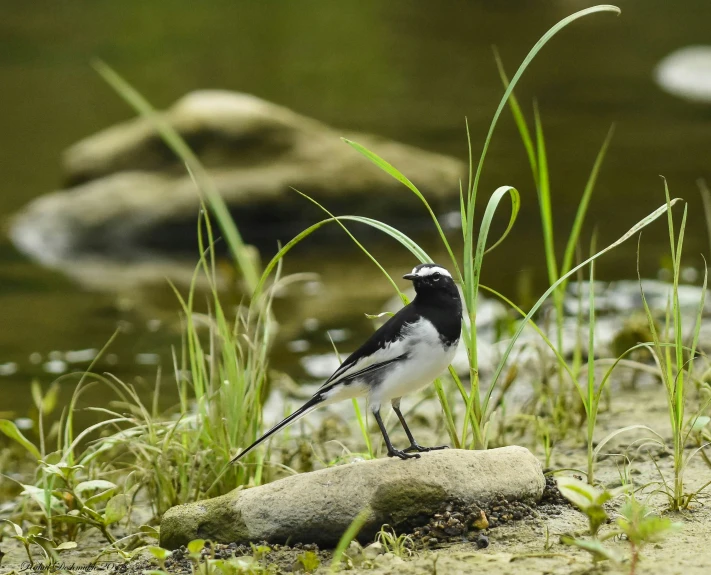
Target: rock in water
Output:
[
  {"x": 130, "y": 193},
  {"x": 318, "y": 507},
  {"x": 687, "y": 73}
]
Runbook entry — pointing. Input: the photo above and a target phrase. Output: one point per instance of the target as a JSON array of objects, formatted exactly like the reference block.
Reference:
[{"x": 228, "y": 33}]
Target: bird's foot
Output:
[
  {"x": 417, "y": 447},
  {"x": 403, "y": 454}
]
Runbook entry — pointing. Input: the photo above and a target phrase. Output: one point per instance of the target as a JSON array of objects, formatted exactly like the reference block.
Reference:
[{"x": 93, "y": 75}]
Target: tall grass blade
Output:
[
  {"x": 182, "y": 150},
  {"x": 583, "y": 205},
  {"x": 395, "y": 173},
  {"x": 631, "y": 232}
]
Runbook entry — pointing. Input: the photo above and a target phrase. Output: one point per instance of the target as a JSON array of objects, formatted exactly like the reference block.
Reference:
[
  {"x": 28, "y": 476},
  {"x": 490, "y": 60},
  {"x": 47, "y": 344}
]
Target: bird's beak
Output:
[{"x": 409, "y": 276}]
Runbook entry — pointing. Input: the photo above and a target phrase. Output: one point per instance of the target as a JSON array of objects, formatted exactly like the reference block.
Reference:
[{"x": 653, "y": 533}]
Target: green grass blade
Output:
[
  {"x": 448, "y": 418},
  {"x": 395, "y": 173},
  {"x": 350, "y": 534},
  {"x": 544, "y": 200},
  {"x": 394, "y": 233},
  {"x": 699, "y": 313},
  {"x": 584, "y": 202},
  {"x": 472, "y": 287},
  {"x": 469, "y": 211},
  {"x": 517, "y": 76},
  {"x": 361, "y": 246},
  {"x": 515, "y": 207},
  {"x": 706, "y": 199},
  {"x": 182, "y": 150},
  {"x": 519, "y": 120},
  {"x": 538, "y": 330},
  {"x": 631, "y": 232}
]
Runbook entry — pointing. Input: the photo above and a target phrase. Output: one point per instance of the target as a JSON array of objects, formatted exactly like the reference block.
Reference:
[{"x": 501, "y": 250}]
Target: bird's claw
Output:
[
  {"x": 403, "y": 454},
  {"x": 419, "y": 448}
]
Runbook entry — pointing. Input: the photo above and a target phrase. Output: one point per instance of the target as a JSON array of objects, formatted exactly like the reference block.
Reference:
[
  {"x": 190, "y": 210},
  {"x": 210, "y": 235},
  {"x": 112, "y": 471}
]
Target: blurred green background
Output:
[{"x": 408, "y": 70}]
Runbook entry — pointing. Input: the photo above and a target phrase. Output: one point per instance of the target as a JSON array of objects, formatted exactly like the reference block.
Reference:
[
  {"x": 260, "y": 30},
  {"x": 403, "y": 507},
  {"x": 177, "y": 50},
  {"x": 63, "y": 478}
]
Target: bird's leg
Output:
[
  {"x": 392, "y": 452},
  {"x": 414, "y": 446}
]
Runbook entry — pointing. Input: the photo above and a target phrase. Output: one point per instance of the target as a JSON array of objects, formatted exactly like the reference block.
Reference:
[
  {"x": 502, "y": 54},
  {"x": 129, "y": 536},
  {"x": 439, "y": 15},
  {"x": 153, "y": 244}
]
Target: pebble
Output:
[
  {"x": 482, "y": 542},
  {"x": 8, "y": 368}
]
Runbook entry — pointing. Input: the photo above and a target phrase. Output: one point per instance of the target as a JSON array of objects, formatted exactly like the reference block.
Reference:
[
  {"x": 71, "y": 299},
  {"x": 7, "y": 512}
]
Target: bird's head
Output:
[{"x": 432, "y": 279}]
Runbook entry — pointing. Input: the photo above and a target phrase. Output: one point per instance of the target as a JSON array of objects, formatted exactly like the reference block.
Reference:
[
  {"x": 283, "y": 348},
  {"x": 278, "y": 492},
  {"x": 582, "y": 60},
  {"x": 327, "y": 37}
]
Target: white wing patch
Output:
[
  {"x": 391, "y": 351},
  {"x": 420, "y": 337},
  {"x": 428, "y": 271}
]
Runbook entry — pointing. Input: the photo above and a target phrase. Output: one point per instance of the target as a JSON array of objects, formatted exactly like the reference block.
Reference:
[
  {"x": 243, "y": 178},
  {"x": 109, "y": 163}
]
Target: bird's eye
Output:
[{"x": 436, "y": 276}]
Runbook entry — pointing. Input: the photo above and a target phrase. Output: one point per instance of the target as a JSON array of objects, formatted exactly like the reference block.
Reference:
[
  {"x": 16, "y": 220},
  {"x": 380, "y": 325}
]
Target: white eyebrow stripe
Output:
[{"x": 431, "y": 270}]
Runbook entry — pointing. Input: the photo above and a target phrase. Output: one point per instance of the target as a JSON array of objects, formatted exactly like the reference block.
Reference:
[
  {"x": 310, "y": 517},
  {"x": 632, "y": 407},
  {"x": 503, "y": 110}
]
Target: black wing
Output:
[{"x": 379, "y": 350}]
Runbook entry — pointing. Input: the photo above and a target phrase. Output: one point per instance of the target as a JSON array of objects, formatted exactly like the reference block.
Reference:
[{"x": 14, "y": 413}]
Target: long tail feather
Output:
[{"x": 310, "y": 405}]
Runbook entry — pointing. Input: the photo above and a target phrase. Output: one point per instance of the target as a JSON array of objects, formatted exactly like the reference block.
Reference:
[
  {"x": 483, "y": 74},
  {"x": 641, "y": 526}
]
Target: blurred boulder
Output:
[
  {"x": 687, "y": 73},
  {"x": 129, "y": 191}
]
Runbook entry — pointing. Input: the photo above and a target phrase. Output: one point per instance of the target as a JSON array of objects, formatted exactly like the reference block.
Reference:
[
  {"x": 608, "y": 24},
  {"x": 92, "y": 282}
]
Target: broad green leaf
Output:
[
  {"x": 38, "y": 496},
  {"x": 150, "y": 530},
  {"x": 116, "y": 509},
  {"x": 93, "y": 485},
  {"x": 47, "y": 545},
  {"x": 73, "y": 519},
  {"x": 196, "y": 546},
  {"x": 66, "y": 546},
  {"x": 700, "y": 422},
  {"x": 35, "y": 530},
  {"x": 15, "y": 526},
  {"x": 10, "y": 429},
  {"x": 99, "y": 497},
  {"x": 598, "y": 551},
  {"x": 575, "y": 491},
  {"x": 159, "y": 553}
]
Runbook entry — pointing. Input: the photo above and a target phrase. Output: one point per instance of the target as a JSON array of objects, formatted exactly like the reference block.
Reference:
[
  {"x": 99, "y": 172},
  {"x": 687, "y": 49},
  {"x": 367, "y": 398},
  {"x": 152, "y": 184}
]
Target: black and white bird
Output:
[{"x": 404, "y": 355}]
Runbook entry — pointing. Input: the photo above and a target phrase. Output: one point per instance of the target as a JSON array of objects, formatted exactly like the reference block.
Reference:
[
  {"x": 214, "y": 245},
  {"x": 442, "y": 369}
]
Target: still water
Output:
[{"x": 411, "y": 71}]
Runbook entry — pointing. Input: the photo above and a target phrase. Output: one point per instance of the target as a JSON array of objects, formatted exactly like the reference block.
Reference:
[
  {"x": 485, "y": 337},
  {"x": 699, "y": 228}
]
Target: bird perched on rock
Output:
[{"x": 404, "y": 355}]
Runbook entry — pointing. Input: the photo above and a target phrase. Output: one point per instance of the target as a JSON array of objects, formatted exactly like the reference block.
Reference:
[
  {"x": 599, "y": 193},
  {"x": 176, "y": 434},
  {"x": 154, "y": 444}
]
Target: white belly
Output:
[{"x": 427, "y": 360}]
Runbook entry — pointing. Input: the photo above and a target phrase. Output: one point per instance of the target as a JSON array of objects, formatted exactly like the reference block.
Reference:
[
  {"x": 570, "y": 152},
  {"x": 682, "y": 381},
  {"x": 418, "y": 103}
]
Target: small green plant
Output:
[
  {"x": 34, "y": 536},
  {"x": 160, "y": 554},
  {"x": 589, "y": 500},
  {"x": 674, "y": 360},
  {"x": 640, "y": 526},
  {"x": 208, "y": 565},
  {"x": 399, "y": 545},
  {"x": 93, "y": 503},
  {"x": 308, "y": 561}
]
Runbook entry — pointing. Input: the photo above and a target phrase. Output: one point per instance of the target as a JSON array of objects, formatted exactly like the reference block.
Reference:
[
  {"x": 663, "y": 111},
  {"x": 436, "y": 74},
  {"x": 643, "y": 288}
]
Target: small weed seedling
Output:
[
  {"x": 399, "y": 545},
  {"x": 308, "y": 561},
  {"x": 34, "y": 536},
  {"x": 589, "y": 500},
  {"x": 640, "y": 526}
]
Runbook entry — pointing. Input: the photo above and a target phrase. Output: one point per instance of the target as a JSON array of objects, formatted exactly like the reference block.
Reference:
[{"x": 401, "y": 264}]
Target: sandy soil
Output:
[{"x": 532, "y": 545}]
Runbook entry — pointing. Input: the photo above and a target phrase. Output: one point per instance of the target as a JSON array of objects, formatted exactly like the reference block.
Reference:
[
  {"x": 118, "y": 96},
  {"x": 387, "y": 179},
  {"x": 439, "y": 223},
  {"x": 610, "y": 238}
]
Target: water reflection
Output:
[{"x": 409, "y": 71}]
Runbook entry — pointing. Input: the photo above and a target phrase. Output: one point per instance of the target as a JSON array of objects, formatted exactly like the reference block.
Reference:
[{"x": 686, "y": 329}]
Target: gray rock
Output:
[
  {"x": 130, "y": 192},
  {"x": 318, "y": 507},
  {"x": 373, "y": 550}
]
